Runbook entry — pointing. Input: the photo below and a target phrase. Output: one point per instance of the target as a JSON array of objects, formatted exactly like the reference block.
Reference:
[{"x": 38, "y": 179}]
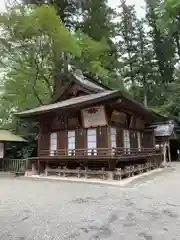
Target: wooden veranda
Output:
[{"x": 109, "y": 158}]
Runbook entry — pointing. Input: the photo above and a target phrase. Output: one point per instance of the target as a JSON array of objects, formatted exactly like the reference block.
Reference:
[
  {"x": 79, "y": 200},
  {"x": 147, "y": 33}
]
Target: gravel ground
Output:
[{"x": 148, "y": 208}]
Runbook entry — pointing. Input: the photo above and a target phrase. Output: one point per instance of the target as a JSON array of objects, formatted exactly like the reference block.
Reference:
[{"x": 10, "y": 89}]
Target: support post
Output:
[
  {"x": 164, "y": 153},
  {"x": 39, "y": 164},
  {"x": 112, "y": 164},
  {"x": 169, "y": 152},
  {"x": 34, "y": 169},
  {"x": 110, "y": 175}
]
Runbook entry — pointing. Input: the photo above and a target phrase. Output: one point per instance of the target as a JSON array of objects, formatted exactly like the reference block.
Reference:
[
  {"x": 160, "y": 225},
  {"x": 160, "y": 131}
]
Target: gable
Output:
[
  {"x": 74, "y": 90},
  {"x": 77, "y": 85}
]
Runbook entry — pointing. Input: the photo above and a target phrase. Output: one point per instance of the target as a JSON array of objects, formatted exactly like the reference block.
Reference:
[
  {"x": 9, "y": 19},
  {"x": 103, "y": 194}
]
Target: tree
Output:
[
  {"x": 127, "y": 44},
  {"x": 173, "y": 8},
  {"x": 33, "y": 47},
  {"x": 98, "y": 23},
  {"x": 144, "y": 67},
  {"x": 163, "y": 43},
  {"x": 164, "y": 31},
  {"x": 69, "y": 11},
  {"x": 39, "y": 42},
  {"x": 95, "y": 19}
]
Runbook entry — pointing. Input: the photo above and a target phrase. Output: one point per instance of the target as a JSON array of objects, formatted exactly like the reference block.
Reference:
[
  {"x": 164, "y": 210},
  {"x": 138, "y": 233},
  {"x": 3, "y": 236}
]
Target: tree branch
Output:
[
  {"x": 34, "y": 90},
  {"x": 46, "y": 79},
  {"x": 43, "y": 76}
]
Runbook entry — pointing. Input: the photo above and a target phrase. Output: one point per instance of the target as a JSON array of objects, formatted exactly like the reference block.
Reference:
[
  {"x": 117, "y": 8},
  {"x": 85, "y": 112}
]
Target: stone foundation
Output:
[{"x": 29, "y": 174}]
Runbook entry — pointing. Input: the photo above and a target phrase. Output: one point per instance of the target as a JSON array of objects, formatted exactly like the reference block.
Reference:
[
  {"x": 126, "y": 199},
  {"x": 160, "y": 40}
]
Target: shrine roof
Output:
[{"x": 70, "y": 103}]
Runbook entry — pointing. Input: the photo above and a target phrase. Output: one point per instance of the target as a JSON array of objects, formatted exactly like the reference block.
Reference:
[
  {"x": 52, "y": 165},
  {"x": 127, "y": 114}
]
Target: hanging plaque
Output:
[
  {"x": 94, "y": 116},
  {"x": 119, "y": 117}
]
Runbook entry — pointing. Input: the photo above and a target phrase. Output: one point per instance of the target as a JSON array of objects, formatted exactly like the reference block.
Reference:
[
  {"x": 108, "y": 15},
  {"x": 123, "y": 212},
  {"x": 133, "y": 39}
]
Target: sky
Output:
[
  {"x": 2, "y": 5},
  {"x": 114, "y": 3},
  {"x": 139, "y": 4}
]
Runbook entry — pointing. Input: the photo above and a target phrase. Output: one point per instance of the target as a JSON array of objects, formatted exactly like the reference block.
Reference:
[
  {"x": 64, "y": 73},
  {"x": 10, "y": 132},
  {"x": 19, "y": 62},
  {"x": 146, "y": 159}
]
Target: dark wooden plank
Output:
[
  {"x": 133, "y": 139},
  {"x": 62, "y": 139},
  {"x": 119, "y": 137},
  {"x": 102, "y": 138},
  {"x": 81, "y": 140},
  {"x": 44, "y": 141}
]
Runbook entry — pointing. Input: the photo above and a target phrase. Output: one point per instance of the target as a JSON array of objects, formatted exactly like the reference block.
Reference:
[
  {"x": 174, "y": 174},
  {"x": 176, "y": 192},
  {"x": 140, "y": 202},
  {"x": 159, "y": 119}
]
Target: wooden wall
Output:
[
  {"x": 147, "y": 139},
  {"x": 133, "y": 139},
  {"x": 119, "y": 137},
  {"x": 102, "y": 137},
  {"x": 43, "y": 138},
  {"x": 81, "y": 136},
  {"x": 62, "y": 139},
  {"x": 61, "y": 123}
]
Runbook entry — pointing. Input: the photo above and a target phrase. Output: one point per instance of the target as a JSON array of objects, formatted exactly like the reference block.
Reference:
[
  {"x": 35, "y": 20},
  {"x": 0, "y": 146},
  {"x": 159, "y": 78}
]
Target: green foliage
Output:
[
  {"x": 35, "y": 54},
  {"x": 37, "y": 48},
  {"x": 92, "y": 53},
  {"x": 39, "y": 42},
  {"x": 172, "y": 7},
  {"x": 97, "y": 16}
]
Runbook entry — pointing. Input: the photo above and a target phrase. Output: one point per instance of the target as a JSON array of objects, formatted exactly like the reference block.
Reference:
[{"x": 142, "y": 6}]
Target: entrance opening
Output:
[{"x": 174, "y": 146}]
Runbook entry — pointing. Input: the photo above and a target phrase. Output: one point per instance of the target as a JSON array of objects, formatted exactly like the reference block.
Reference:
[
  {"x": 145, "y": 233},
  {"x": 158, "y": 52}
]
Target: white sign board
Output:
[{"x": 94, "y": 117}]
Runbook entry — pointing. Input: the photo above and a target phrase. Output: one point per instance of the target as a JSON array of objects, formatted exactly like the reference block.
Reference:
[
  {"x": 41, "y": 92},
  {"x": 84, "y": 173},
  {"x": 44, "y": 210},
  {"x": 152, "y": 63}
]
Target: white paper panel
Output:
[
  {"x": 126, "y": 139},
  {"x": 71, "y": 133},
  {"x": 91, "y": 141},
  {"x": 71, "y": 141},
  {"x": 53, "y": 143},
  {"x": 71, "y": 146},
  {"x": 113, "y": 131}
]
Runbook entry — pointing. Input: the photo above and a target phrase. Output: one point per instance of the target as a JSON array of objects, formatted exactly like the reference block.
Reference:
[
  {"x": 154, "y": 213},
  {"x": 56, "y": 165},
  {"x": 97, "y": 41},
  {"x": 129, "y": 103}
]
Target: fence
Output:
[{"x": 14, "y": 165}]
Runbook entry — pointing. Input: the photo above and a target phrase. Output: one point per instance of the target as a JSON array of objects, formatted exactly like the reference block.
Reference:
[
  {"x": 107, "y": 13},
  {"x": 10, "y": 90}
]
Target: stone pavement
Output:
[{"x": 147, "y": 208}]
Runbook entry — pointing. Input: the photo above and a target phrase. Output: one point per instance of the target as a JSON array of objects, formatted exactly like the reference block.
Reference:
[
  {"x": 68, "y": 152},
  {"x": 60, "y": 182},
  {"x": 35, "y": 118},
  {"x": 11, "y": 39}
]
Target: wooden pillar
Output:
[
  {"x": 38, "y": 144},
  {"x": 81, "y": 140},
  {"x": 109, "y": 136},
  {"x": 112, "y": 164},
  {"x": 39, "y": 166},
  {"x": 133, "y": 139},
  {"x": 34, "y": 168},
  {"x": 169, "y": 152},
  {"x": 5, "y": 147},
  {"x": 62, "y": 141},
  {"x": 102, "y": 139},
  {"x": 154, "y": 139},
  {"x": 164, "y": 152},
  {"x": 119, "y": 138}
]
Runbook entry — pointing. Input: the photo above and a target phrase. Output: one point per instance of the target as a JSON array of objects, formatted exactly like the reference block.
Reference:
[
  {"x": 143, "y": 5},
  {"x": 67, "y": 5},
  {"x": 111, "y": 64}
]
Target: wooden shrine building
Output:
[
  {"x": 167, "y": 139},
  {"x": 6, "y": 137},
  {"x": 90, "y": 125}
]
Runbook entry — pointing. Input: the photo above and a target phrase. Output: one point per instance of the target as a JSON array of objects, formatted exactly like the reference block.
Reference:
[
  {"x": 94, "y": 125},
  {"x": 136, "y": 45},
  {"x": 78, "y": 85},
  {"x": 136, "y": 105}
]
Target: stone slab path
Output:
[{"x": 146, "y": 208}]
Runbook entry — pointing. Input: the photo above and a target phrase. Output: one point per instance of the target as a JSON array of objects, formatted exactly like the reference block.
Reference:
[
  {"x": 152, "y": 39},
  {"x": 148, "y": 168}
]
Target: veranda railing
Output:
[{"x": 101, "y": 152}]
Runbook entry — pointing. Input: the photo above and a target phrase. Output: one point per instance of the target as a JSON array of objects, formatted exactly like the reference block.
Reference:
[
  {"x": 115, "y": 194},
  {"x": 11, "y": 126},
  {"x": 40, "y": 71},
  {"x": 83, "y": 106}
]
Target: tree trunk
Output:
[{"x": 145, "y": 99}]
